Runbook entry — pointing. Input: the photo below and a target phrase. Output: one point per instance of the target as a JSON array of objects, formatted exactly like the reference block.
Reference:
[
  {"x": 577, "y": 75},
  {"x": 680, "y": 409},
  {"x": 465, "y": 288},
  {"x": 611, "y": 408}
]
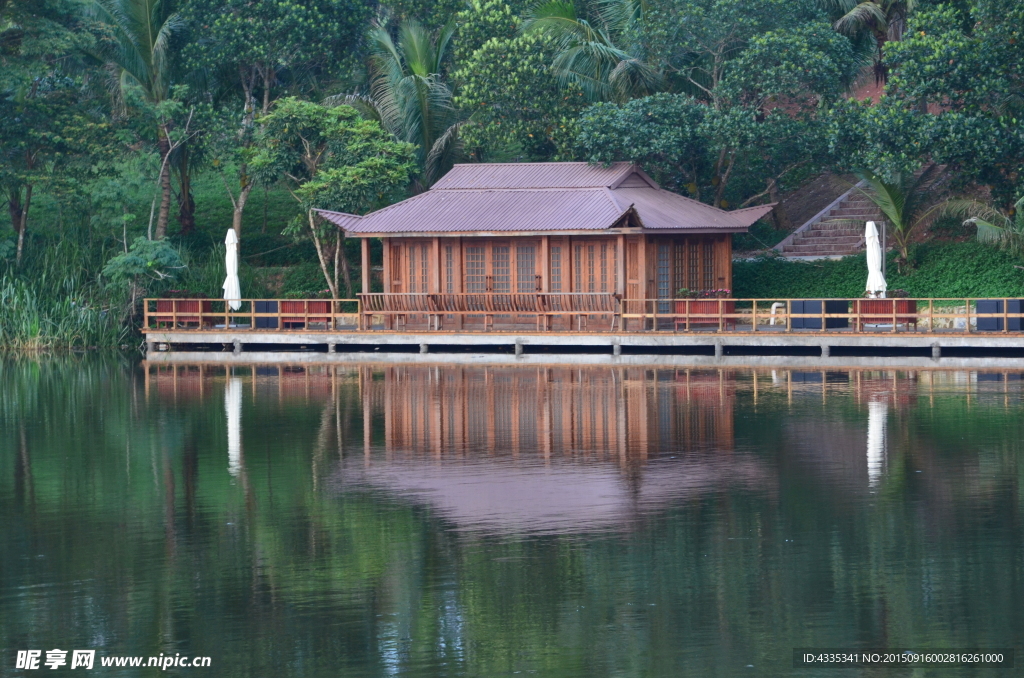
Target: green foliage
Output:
[
  {"x": 940, "y": 270},
  {"x": 296, "y": 37},
  {"x": 409, "y": 95},
  {"x": 515, "y": 103},
  {"x": 604, "y": 56},
  {"x": 992, "y": 225},
  {"x": 906, "y": 200},
  {"x": 800, "y": 67},
  {"x": 661, "y": 133},
  {"x": 149, "y": 259},
  {"x": 968, "y": 60},
  {"x": 333, "y": 158}
]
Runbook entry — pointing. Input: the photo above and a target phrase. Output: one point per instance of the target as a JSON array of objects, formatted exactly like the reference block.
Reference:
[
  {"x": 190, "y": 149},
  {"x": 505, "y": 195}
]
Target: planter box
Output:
[
  {"x": 188, "y": 311},
  {"x": 705, "y": 312},
  {"x": 905, "y": 309},
  {"x": 814, "y": 306},
  {"x": 266, "y": 307},
  {"x": 313, "y": 310},
  {"x": 996, "y": 306}
]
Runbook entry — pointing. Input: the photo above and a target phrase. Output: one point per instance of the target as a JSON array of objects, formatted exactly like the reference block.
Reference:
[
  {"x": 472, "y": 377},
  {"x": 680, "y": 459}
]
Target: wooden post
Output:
[
  {"x": 620, "y": 288},
  {"x": 545, "y": 263},
  {"x": 387, "y": 277},
  {"x": 364, "y": 322},
  {"x": 366, "y": 265},
  {"x": 642, "y": 271}
]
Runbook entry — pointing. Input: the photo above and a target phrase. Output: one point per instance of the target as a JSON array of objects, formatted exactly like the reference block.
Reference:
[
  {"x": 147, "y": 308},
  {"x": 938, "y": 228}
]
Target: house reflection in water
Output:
[
  {"x": 553, "y": 449},
  {"x": 593, "y": 413}
]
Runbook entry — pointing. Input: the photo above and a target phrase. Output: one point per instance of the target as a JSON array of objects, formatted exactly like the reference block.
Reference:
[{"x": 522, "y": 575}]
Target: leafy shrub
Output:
[{"x": 967, "y": 269}]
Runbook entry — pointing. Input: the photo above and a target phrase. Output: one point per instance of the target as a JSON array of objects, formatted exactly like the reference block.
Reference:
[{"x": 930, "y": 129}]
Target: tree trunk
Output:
[
  {"x": 14, "y": 207},
  {"x": 723, "y": 179},
  {"x": 346, "y": 274},
  {"x": 186, "y": 204},
  {"x": 782, "y": 221},
  {"x": 24, "y": 224},
  {"x": 239, "y": 207},
  {"x": 320, "y": 255},
  {"x": 164, "y": 144}
]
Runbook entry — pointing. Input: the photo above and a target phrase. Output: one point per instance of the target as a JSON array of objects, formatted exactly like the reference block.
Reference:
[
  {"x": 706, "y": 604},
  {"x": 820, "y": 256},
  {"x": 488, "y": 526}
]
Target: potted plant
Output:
[
  {"x": 897, "y": 303},
  {"x": 705, "y": 308}
]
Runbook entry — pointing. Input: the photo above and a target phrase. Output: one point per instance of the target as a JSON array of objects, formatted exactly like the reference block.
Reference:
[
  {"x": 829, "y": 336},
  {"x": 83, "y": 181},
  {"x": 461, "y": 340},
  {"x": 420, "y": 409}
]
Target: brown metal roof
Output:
[
  {"x": 461, "y": 211},
  {"x": 544, "y": 197}
]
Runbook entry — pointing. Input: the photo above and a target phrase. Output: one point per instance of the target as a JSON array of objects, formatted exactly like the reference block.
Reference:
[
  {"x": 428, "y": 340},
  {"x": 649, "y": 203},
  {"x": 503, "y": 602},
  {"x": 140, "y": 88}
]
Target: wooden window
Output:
[
  {"x": 425, "y": 268},
  {"x": 709, "y": 266},
  {"x": 693, "y": 274},
  {"x": 663, "y": 276},
  {"x": 556, "y": 268},
  {"x": 604, "y": 266},
  {"x": 526, "y": 269},
  {"x": 396, "y": 267},
  {"x": 501, "y": 279},
  {"x": 591, "y": 277},
  {"x": 476, "y": 271},
  {"x": 449, "y": 270},
  {"x": 578, "y": 269},
  {"x": 680, "y": 264}
]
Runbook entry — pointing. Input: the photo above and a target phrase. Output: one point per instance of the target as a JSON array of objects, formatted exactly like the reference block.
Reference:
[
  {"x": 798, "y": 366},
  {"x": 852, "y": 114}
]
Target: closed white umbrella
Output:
[
  {"x": 232, "y": 288},
  {"x": 876, "y": 281}
]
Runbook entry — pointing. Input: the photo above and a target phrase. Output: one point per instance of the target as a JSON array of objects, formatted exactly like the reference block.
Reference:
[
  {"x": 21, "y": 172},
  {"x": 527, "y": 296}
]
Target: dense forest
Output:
[{"x": 134, "y": 133}]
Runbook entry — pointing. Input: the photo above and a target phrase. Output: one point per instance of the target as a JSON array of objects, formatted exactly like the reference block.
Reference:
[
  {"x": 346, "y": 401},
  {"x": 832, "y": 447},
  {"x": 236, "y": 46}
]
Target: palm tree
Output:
[
  {"x": 884, "y": 20},
  {"x": 993, "y": 226},
  {"x": 907, "y": 201},
  {"x": 409, "y": 96},
  {"x": 143, "y": 55},
  {"x": 607, "y": 61}
]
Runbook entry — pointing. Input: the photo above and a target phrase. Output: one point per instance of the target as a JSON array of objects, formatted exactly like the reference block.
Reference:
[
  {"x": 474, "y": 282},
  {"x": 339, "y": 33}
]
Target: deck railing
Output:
[
  {"x": 252, "y": 314},
  {"x": 590, "y": 313}
]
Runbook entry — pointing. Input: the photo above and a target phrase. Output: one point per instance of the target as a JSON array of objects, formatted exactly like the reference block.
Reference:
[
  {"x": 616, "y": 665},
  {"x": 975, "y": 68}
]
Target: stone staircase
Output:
[{"x": 836, "y": 231}]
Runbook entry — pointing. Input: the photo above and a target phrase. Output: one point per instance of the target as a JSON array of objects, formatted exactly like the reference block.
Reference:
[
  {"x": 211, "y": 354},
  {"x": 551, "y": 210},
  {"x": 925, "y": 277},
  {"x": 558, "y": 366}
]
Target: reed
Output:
[{"x": 53, "y": 302}]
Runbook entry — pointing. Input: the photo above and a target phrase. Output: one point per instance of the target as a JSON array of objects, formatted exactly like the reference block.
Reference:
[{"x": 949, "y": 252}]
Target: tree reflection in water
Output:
[{"x": 440, "y": 520}]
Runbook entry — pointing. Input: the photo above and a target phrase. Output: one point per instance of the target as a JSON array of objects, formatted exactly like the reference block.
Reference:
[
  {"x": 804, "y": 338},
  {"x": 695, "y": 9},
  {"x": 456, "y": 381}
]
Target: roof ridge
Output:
[
  {"x": 509, "y": 189},
  {"x": 520, "y": 164}
]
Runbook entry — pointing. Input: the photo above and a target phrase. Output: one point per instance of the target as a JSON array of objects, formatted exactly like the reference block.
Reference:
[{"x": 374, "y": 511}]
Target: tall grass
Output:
[
  {"x": 51, "y": 315},
  {"x": 53, "y": 302}
]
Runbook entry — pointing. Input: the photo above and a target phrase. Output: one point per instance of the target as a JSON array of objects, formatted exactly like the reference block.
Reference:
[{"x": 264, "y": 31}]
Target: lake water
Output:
[{"x": 494, "y": 521}]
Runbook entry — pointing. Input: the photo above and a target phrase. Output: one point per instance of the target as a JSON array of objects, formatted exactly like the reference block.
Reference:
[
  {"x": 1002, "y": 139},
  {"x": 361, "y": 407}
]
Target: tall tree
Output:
[
  {"x": 259, "y": 51},
  {"x": 516, "y": 105},
  {"x": 141, "y": 48},
  {"x": 883, "y": 20},
  {"x": 409, "y": 94},
  {"x": 40, "y": 104},
  {"x": 331, "y": 158},
  {"x": 606, "y": 56}
]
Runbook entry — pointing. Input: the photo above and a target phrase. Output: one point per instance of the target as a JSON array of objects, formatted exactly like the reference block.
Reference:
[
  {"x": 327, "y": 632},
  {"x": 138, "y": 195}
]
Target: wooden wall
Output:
[{"x": 653, "y": 266}]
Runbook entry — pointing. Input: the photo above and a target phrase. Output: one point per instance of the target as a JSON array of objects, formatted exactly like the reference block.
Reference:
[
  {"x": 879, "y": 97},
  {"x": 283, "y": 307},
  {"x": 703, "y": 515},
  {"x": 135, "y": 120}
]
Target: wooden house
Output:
[{"x": 535, "y": 238}]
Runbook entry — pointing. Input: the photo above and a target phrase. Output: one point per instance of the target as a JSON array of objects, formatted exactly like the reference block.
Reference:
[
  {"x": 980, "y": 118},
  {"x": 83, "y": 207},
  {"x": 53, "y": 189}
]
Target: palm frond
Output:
[
  {"x": 442, "y": 153},
  {"x": 864, "y": 15}
]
